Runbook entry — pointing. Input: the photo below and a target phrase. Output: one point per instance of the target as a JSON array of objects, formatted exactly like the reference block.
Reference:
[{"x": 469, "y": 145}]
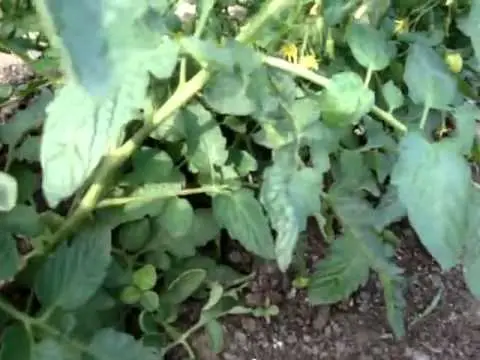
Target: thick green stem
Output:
[
  {"x": 368, "y": 77},
  {"x": 248, "y": 32},
  {"x": 323, "y": 81},
  {"x": 125, "y": 200},
  {"x": 180, "y": 97},
  {"x": 424, "y": 118}
]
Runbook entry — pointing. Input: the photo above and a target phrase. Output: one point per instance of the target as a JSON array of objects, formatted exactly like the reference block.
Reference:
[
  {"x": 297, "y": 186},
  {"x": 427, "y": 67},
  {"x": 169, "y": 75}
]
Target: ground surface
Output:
[{"x": 356, "y": 330}]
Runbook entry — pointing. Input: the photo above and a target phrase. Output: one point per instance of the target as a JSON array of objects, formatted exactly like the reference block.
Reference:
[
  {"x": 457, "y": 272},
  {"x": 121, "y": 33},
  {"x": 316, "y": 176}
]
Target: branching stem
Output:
[
  {"x": 323, "y": 81},
  {"x": 125, "y": 200},
  {"x": 182, "y": 95}
]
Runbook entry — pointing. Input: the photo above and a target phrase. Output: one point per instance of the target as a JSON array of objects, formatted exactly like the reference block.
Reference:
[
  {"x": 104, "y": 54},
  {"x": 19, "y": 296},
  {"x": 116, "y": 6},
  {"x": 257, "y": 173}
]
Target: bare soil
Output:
[{"x": 357, "y": 329}]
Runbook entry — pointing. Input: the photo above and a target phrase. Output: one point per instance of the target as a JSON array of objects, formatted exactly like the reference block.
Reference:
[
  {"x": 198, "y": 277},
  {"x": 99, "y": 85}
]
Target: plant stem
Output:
[
  {"x": 368, "y": 76},
  {"x": 424, "y": 118},
  {"x": 184, "y": 337},
  {"x": 29, "y": 322},
  {"x": 182, "y": 95},
  {"x": 202, "y": 21},
  {"x": 9, "y": 309},
  {"x": 389, "y": 119},
  {"x": 125, "y": 200},
  {"x": 315, "y": 78},
  {"x": 248, "y": 31}
]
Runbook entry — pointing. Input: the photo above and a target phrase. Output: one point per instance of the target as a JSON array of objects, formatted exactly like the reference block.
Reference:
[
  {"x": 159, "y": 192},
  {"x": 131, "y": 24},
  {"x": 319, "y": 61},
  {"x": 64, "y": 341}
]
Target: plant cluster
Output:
[{"x": 149, "y": 137}]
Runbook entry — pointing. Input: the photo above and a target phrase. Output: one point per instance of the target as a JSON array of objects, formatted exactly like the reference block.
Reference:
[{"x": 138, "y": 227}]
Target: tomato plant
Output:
[{"x": 153, "y": 132}]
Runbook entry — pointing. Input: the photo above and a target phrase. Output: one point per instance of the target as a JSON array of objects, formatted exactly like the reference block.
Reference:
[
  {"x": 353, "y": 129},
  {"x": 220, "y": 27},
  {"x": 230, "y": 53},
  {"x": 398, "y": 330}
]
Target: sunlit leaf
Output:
[
  {"x": 423, "y": 172},
  {"x": 428, "y": 79},
  {"x": 242, "y": 215},
  {"x": 369, "y": 46},
  {"x": 345, "y": 100}
]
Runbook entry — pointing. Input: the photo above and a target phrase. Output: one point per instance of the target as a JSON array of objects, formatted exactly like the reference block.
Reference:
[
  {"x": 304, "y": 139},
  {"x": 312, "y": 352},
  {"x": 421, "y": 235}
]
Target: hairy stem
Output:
[
  {"x": 323, "y": 81},
  {"x": 125, "y": 200},
  {"x": 186, "y": 91}
]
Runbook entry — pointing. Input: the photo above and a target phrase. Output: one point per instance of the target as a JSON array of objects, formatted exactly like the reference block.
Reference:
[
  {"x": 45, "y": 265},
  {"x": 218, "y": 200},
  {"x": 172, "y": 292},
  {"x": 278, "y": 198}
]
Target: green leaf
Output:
[
  {"x": 471, "y": 260},
  {"x": 204, "y": 228},
  {"x": 29, "y": 150},
  {"x": 109, "y": 344},
  {"x": 123, "y": 37},
  {"x": 345, "y": 100},
  {"x": 163, "y": 59},
  {"x": 227, "y": 94},
  {"x": 466, "y": 116},
  {"x": 242, "y": 215},
  {"x": 206, "y": 146},
  {"x": 184, "y": 286},
  {"x": 394, "y": 299},
  {"x": 389, "y": 210},
  {"x": 393, "y": 96},
  {"x": 150, "y": 166},
  {"x": 215, "y": 333},
  {"x": 469, "y": 26},
  {"x": 159, "y": 259},
  {"x": 351, "y": 207},
  {"x": 131, "y": 295},
  {"x": 8, "y": 191},
  {"x": 133, "y": 236},
  {"x": 377, "y": 138},
  {"x": 177, "y": 217},
  {"x": 353, "y": 173},
  {"x": 73, "y": 273},
  {"x": 150, "y": 301},
  {"x": 289, "y": 197},
  {"x": 341, "y": 273},
  {"x": 216, "y": 273},
  {"x": 74, "y": 148},
  {"x": 148, "y": 199},
  {"x": 347, "y": 267},
  {"x": 216, "y": 293},
  {"x": 241, "y": 87},
  {"x": 369, "y": 46},
  {"x": 297, "y": 124},
  {"x": 50, "y": 349},
  {"x": 16, "y": 343},
  {"x": 9, "y": 257},
  {"x": 22, "y": 220},
  {"x": 27, "y": 181},
  {"x": 244, "y": 162},
  {"x": 424, "y": 171},
  {"x": 428, "y": 79},
  {"x": 25, "y": 120},
  {"x": 145, "y": 278},
  {"x": 207, "y": 52},
  {"x": 334, "y": 11}
]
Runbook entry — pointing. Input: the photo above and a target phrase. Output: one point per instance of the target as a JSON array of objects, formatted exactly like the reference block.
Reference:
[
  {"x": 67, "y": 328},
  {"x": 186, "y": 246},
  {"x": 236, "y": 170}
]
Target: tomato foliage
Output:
[{"x": 158, "y": 132}]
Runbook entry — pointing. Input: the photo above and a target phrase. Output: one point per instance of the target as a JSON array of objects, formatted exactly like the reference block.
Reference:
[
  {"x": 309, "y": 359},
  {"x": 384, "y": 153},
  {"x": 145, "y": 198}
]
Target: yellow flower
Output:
[
  {"x": 309, "y": 62},
  {"x": 290, "y": 52},
  {"x": 401, "y": 26}
]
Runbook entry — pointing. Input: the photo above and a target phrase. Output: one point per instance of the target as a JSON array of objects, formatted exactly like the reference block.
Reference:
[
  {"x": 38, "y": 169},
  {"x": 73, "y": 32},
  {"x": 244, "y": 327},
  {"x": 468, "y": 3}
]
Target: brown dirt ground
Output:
[{"x": 357, "y": 330}]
